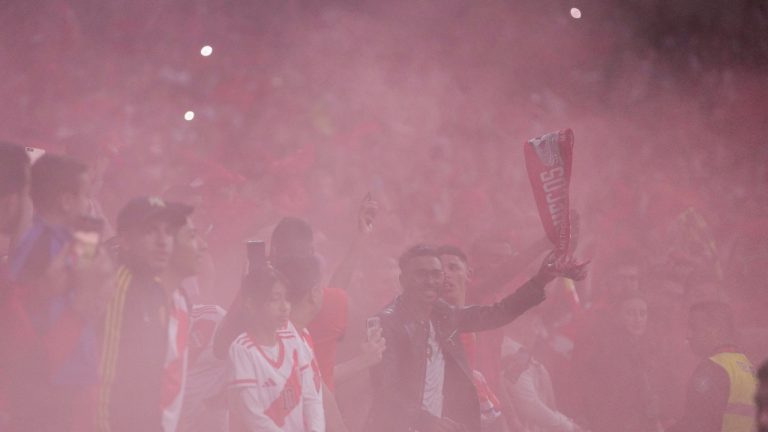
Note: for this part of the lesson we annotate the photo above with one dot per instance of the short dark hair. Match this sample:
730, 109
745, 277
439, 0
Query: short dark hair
291, 231
452, 250
302, 273
14, 163
716, 313
762, 373
415, 251
53, 176
256, 285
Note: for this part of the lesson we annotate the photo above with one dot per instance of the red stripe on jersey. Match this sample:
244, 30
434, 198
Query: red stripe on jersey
289, 397
307, 338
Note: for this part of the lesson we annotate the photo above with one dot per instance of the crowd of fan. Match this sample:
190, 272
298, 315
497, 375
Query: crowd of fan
669, 180
106, 328
310, 124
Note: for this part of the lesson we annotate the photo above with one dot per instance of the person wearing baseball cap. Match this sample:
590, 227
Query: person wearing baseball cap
144, 236
142, 319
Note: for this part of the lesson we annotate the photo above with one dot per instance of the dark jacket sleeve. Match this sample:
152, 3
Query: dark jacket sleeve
707, 398
480, 318
133, 355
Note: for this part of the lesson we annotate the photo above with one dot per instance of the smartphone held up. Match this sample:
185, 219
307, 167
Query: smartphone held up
372, 327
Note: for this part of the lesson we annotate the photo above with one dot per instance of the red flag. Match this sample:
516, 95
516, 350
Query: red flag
548, 160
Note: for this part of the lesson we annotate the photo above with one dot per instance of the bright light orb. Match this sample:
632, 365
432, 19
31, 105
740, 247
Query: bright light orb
575, 13
189, 115
206, 51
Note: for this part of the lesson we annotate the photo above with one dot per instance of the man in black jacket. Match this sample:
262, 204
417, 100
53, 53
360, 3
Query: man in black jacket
423, 382
144, 322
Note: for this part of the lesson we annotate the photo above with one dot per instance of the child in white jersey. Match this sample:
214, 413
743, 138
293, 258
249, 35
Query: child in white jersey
272, 387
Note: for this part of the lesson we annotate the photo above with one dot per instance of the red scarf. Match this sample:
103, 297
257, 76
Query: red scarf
548, 160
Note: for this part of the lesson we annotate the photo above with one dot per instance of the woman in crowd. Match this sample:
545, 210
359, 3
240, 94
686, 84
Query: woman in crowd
613, 372
271, 388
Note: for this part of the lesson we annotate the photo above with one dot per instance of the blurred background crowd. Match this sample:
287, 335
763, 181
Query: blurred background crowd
303, 108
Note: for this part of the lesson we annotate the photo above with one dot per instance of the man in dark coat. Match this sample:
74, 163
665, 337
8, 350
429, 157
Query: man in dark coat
423, 382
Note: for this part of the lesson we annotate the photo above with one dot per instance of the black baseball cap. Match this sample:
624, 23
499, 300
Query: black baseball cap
141, 211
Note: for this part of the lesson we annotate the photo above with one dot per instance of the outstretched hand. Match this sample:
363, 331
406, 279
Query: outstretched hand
566, 267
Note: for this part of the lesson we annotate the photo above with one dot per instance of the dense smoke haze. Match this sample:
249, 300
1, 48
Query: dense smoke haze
304, 107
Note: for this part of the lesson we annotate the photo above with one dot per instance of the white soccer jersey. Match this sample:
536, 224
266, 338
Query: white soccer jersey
202, 411
272, 388
175, 372
434, 377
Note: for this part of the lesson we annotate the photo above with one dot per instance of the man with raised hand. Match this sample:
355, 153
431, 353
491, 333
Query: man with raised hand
423, 381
